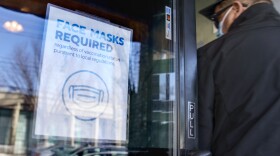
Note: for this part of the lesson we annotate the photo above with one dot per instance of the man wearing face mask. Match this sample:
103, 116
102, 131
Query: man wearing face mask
239, 80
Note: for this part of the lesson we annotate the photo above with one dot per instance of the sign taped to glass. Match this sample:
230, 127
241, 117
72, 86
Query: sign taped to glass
84, 78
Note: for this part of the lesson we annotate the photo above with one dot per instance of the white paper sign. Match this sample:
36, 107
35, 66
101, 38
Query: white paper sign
84, 78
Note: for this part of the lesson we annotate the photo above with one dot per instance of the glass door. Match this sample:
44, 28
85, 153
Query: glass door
48, 108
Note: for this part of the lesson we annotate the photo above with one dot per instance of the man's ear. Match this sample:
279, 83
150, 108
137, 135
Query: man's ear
237, 9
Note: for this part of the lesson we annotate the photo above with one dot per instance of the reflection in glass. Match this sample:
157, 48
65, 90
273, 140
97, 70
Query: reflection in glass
151, 82
19, 60
13, 26
134, 66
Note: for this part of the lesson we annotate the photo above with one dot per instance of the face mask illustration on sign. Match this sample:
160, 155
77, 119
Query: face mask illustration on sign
85, 96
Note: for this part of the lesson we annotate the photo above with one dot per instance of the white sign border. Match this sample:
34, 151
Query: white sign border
69, 139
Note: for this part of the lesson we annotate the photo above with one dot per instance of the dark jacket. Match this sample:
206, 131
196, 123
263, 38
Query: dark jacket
239, 87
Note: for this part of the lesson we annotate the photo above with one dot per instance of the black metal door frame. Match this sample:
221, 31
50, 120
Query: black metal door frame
186, 76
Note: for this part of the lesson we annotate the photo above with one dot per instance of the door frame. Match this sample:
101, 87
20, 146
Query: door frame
186, 137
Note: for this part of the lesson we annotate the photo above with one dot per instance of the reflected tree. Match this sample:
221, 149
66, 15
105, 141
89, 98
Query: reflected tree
20, 72
19, 75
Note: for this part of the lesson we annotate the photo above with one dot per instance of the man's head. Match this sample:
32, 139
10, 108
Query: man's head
225, 12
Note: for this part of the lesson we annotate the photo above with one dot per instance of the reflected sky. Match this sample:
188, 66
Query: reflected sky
20, 51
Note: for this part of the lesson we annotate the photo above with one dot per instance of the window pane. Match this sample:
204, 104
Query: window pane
34, 113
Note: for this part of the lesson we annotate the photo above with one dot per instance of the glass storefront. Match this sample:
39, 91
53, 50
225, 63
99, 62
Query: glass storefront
29, 72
